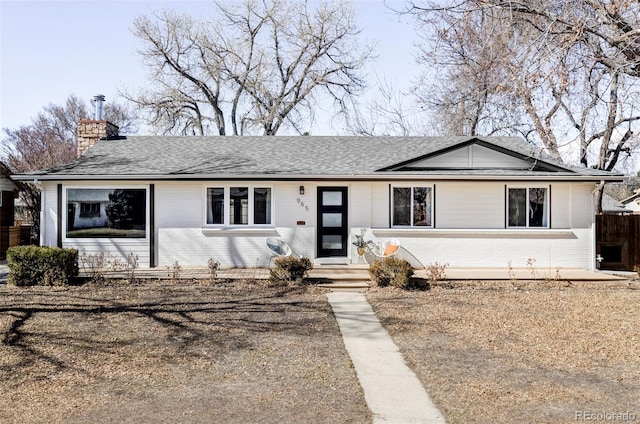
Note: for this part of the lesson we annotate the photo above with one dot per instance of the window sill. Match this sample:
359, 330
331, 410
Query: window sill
258, 231
514, 233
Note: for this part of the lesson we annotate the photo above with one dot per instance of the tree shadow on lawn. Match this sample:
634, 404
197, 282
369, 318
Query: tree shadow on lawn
55, 325
514, 384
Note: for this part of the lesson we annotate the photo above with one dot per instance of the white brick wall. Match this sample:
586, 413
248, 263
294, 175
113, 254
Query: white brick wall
188, 240
181, 233
582, 215
496, 248
470, 228
380, 205
360, 205
561, 205
469, 205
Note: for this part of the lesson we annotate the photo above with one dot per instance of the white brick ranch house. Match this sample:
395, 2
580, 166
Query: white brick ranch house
465, 201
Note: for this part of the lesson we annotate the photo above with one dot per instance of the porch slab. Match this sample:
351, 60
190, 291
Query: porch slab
561, 274
359, 274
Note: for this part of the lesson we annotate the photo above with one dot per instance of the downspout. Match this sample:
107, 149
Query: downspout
152, 226
42, 203
60, 217
594, 259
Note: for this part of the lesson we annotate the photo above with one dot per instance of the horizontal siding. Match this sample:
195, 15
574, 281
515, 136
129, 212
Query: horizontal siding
49, 215
483, 157
458, 158
118, 248
472, 157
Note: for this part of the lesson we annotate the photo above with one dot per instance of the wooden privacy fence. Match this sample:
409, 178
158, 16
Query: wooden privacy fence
618, 241
13, 236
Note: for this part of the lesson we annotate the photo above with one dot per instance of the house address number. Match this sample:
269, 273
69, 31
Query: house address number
302, 205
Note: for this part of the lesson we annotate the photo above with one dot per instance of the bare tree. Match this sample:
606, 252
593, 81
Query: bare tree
258, 66
50, 141
463, 84
555, 72
389, 112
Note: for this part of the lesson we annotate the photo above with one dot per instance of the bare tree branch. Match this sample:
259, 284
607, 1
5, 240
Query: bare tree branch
557, 70
262, 64
50, 141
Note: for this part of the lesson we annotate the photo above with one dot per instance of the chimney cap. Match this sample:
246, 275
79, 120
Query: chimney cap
98, 99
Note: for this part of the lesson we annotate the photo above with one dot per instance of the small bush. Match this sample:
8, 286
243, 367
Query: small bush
174, 271
130, 267
35, 265
94, 266
290, 270
391, 271
213, 266
97, 267
436, 272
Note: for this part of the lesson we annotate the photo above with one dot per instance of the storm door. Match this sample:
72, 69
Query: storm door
332, 222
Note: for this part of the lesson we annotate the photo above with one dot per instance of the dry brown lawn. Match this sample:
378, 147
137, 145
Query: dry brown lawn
162, 353
494, 354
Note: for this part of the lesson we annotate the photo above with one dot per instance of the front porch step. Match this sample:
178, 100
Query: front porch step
340, 273
351, 286
331, 261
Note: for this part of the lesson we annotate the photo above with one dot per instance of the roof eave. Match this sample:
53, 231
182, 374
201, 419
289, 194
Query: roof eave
319, 177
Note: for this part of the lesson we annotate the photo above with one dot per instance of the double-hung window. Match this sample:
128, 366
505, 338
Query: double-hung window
528, 207
239, 205
412, 206
89, 210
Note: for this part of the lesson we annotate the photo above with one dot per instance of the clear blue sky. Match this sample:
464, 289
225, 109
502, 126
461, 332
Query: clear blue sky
51, 49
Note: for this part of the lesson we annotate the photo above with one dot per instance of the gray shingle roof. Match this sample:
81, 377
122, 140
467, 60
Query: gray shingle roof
631, 198
313, 156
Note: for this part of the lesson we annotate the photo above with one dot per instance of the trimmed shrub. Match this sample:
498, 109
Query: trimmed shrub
290, 270
391, 271
35, 265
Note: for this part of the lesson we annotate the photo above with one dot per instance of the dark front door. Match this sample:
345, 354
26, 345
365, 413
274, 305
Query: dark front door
332, 221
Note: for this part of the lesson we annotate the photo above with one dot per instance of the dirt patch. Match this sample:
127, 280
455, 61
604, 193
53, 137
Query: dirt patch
491, 354
188, 353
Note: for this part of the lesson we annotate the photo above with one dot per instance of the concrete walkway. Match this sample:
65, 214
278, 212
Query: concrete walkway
392, 391
4, 272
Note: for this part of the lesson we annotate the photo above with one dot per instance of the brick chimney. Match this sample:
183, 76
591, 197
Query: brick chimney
91, 130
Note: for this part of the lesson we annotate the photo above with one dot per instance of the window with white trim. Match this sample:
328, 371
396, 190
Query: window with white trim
239, 205
528, 207
106, 212
412, 206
